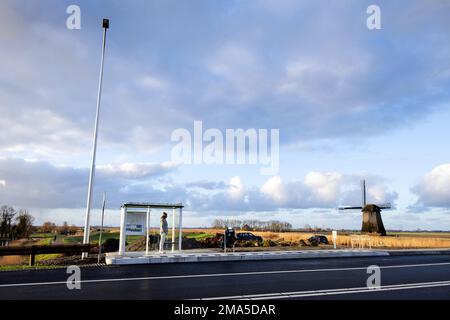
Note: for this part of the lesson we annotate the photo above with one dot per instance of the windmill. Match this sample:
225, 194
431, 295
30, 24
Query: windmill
371, 220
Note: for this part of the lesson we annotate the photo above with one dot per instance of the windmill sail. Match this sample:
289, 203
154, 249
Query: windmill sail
363, 189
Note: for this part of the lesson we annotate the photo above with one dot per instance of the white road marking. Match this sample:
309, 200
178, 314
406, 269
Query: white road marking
312, 293
235, 274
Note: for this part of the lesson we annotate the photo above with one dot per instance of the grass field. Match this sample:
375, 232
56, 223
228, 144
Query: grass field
42, 235
42, 257
95, 237
400, 240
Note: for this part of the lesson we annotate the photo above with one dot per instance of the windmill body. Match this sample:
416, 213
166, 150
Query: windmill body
371, 220
371, 214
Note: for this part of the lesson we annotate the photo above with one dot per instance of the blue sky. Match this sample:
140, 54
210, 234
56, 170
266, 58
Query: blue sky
350, 103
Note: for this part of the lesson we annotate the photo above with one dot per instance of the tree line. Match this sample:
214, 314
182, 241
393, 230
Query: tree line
18, 224
252, 225
64, 229
15, 224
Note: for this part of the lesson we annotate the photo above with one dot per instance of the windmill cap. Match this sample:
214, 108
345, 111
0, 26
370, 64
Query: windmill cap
371, 207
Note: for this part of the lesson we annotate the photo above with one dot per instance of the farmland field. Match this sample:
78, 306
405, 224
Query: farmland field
395, 240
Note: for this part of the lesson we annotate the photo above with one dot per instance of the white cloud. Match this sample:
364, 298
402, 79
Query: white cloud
2, 183
316, 190
136, 170
324, 186
236, 190
274, 189
39, 184
41, 132
434, 188
378, 193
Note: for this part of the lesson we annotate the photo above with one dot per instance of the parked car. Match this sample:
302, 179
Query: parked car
247, 236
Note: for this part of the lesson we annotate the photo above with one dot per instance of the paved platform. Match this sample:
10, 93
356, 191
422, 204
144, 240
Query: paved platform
210, 256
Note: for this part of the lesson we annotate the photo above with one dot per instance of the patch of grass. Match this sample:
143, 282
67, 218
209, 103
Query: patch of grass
44, 257
24, 267
133, 239
45, 242
42, 235
72, 239
95, 237
199, 235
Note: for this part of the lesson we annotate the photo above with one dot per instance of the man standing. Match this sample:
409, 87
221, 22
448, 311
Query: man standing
163, 230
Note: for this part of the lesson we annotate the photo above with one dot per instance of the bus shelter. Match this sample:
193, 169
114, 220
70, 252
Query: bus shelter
135, 219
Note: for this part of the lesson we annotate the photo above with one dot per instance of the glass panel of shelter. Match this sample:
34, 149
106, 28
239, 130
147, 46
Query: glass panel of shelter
141, 219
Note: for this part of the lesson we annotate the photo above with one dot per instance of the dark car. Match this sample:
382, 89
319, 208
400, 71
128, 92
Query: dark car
247, 236
318, 239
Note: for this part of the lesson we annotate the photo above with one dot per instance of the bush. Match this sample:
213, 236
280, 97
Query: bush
111, 245
241, 244
302, 243
269, 243
248, 244
212, 242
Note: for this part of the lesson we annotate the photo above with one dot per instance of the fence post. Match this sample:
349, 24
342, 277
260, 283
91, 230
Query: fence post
32, 256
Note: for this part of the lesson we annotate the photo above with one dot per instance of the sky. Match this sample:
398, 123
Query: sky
349, 103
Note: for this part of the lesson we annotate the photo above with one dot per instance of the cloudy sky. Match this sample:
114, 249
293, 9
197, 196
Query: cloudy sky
350, 103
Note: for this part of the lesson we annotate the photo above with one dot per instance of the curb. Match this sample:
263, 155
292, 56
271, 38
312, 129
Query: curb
429, 252
261, 256
248, 256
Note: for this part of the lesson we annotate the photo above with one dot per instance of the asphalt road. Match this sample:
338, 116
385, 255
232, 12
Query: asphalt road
408, 277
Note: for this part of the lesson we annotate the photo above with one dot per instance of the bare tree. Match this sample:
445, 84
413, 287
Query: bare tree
7, 215
251, 225
48, 227
218, 224
24, 224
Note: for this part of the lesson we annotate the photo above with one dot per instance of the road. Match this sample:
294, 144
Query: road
402, 277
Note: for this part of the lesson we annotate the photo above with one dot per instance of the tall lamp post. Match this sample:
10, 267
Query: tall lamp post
94, 147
